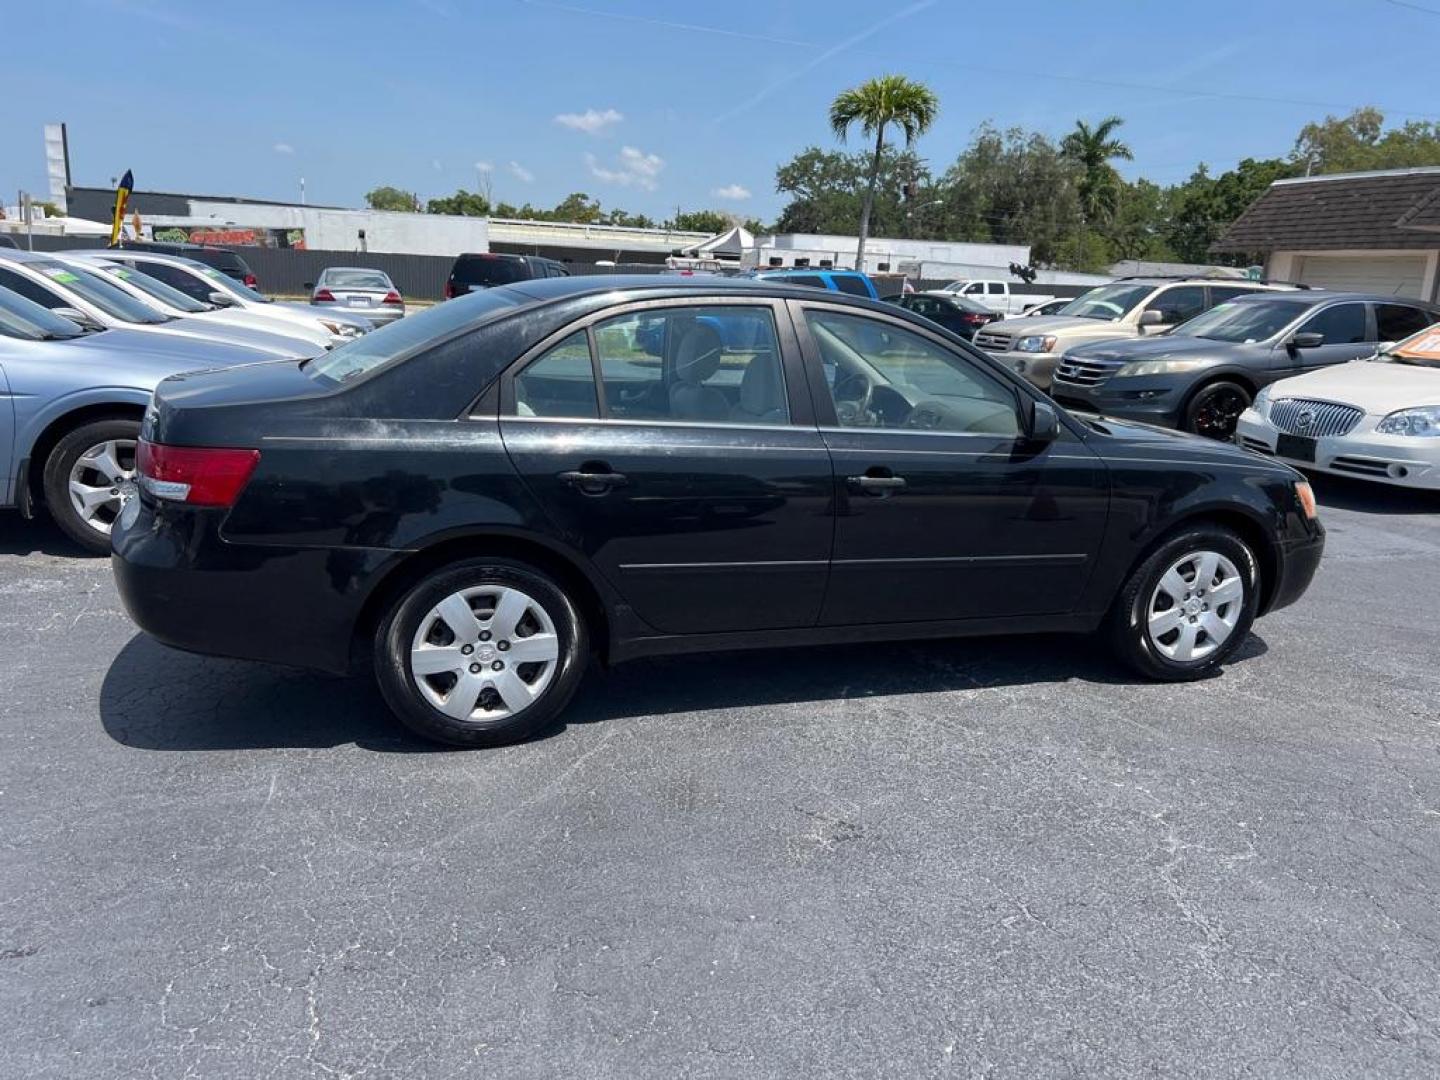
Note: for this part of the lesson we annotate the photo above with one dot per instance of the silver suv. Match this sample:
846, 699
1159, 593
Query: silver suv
1127, 308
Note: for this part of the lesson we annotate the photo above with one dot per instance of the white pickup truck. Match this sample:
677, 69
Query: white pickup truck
995, 295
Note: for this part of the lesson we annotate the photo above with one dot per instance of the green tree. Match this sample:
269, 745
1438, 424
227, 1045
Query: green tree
706, 221
633, 221
827, 192
392, 198
1204, 206
1092, 149
874, 106
1359, 142
579, 208
463, 203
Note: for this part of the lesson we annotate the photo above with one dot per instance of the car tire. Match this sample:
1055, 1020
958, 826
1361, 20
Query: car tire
1166, 622
432, 660
86, 479
1215, 408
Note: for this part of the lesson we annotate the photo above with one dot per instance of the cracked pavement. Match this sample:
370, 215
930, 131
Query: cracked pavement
973, 858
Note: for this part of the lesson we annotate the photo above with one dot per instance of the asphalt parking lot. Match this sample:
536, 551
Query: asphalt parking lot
974, 858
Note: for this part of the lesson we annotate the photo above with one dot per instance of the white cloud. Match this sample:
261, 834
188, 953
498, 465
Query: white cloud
435, 164
283, 148
484, 167
731, 191
521, 173
635, 169
591, 121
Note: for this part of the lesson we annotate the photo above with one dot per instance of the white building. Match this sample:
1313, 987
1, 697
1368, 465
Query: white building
888, 255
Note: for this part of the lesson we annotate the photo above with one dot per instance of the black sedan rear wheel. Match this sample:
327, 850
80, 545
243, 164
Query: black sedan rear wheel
1215, 410
481, 653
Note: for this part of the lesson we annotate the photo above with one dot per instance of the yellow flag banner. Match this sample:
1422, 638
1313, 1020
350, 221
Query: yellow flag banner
122, 196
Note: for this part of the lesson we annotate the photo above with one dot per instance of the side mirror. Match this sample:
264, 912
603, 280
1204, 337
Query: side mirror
75, 315
1152, 318
1307, 340
1044, 425
308, 285
224, 299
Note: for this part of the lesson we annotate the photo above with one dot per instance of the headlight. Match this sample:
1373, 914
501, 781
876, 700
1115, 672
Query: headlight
1261, 404
1421, 423
1161, 367
1035, 343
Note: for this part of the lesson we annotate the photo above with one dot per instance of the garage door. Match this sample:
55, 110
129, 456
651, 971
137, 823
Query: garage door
1393, 275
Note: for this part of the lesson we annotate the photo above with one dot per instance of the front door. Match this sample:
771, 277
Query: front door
663, 443
944, 510
1346, 332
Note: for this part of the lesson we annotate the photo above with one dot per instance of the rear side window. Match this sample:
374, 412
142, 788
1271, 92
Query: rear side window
1395, 322
489, 270
701, 364
1178, 304
995, 288
849, 283
1342, 324
560, 383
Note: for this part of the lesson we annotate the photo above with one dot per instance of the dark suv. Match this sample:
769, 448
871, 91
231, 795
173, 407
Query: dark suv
222, 259
485, 270
1203, 374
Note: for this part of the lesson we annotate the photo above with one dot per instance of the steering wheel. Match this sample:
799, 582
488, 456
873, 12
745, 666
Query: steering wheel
853, 396
926, 415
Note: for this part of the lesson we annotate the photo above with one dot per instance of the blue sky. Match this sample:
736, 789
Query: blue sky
649, 105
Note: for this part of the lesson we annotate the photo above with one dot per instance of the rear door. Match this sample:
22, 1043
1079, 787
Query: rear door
674, 443
943, 511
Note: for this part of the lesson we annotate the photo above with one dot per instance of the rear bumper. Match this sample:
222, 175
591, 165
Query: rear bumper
187, 587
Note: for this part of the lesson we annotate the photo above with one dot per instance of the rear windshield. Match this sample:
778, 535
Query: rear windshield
225, 260
361, 355
345, 278
489, 270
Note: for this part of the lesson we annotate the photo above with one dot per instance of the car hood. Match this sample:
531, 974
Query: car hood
1150, 348
1377, 388
117, 358
326, 313
181, 351
1065, 327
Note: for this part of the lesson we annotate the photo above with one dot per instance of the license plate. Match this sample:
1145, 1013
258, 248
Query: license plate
359, 301
1295, 447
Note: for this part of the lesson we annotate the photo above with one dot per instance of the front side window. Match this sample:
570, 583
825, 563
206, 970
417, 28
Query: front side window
178, 279
559, 383
1342, 324
716, 364
881, 376
1178, 304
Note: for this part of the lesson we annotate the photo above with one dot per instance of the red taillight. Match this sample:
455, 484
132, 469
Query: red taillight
449, 290
392, 297
199, 476
323, 296
974, 319
251, 282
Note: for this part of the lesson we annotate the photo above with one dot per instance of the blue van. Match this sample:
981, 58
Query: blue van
846, 281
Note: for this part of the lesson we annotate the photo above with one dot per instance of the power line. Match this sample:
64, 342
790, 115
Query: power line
968, 66
1412, 7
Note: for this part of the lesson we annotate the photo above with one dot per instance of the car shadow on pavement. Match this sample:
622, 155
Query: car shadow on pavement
38, 537
155, 698
1366, 497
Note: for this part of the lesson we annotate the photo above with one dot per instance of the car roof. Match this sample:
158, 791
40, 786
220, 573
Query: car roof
144, 253
1311, 297
362, 269
16, 255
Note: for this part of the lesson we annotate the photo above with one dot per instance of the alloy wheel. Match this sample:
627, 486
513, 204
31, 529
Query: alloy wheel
484, 653
1195, 607
1219, 414
99, 482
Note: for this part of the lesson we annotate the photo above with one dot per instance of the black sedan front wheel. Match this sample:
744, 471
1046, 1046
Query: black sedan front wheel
1215, 410
481, 653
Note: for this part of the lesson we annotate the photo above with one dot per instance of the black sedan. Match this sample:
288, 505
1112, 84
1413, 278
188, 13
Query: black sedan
480, 497
954, 313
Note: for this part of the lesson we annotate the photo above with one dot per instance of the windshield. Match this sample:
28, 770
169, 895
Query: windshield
364, 354
225, 283
153, 287
1109, 302
343, 278
1243, 321
22, 318
93, 288
1418, 350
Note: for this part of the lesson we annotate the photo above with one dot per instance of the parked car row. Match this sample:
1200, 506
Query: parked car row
85, 336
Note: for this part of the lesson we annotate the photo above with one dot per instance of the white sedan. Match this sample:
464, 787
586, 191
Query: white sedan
1376, 419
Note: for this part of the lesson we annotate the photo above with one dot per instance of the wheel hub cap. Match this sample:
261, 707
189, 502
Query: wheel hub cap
1195, 607
471, 680
101, 479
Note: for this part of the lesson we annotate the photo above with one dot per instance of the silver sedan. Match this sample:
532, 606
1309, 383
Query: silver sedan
360, 291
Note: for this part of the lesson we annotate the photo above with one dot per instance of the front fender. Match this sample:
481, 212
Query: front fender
30, 424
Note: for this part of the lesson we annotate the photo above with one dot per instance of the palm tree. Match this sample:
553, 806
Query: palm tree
875, 105
1099, 189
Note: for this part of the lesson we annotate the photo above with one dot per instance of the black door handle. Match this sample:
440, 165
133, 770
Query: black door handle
875, 485
593, 482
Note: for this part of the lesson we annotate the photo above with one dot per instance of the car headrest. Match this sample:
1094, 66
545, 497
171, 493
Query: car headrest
698, 356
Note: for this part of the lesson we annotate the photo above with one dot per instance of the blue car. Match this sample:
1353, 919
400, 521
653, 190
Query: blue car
71, 401
850, 282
